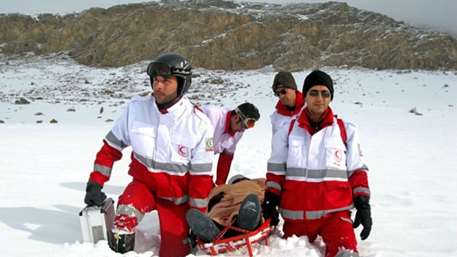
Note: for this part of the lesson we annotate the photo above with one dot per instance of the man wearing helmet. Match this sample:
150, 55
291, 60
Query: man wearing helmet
171, 160
229, 126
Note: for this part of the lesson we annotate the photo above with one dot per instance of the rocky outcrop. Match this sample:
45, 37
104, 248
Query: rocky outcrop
219, 35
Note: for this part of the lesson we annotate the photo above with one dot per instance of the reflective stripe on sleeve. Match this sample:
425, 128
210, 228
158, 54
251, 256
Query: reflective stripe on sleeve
103, 169
274, 185
363, 190
130, 211
176, 200
114, 141
199, 203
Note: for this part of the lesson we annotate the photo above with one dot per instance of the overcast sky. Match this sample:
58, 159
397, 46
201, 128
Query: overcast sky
436, 14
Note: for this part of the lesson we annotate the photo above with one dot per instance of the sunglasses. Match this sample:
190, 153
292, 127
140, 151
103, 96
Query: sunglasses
162, 69
316, 93
245, 121
281, 91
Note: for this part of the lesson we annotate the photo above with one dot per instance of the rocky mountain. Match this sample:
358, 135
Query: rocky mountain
231, 36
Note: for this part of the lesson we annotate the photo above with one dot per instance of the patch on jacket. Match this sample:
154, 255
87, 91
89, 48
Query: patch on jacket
183, 151
338, 156
209, 144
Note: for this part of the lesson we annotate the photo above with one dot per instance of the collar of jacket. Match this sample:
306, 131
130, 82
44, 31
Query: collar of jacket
163, 108
174, 111
305, 122
228, 129
287, 111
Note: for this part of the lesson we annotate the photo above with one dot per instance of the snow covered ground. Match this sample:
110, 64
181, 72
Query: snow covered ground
44, 166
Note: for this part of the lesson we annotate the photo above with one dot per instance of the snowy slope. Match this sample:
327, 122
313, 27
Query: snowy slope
44, 167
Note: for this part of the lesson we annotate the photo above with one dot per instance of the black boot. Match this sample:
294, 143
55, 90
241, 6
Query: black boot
201, 225
192, 241
121, 242
250, 213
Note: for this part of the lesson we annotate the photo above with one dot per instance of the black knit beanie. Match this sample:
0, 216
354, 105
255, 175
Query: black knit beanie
315, 78
284, 79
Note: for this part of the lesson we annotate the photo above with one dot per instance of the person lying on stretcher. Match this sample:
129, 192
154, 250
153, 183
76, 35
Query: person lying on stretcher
236, 204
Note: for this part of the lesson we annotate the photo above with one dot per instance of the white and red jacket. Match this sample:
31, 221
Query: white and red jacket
283, 115
313, 170
225, 140
172, 150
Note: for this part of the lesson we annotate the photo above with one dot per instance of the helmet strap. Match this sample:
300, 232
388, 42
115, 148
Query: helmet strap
181, 82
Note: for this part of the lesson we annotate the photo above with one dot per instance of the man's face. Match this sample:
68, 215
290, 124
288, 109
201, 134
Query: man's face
239, 124
286, 96
165, 89
236, 123
318, 99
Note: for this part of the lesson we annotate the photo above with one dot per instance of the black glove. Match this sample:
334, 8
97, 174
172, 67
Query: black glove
94, 194
363, 216
269, 208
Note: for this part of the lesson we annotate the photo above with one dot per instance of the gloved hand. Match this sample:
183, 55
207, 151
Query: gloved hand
94, 194
363, 216
269, 208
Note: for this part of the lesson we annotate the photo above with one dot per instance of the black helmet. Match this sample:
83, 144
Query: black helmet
171, 64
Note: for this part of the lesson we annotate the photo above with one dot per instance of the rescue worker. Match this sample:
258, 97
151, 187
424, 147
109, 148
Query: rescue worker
171, 160
234, 204
290, 100
229, 126
316, 174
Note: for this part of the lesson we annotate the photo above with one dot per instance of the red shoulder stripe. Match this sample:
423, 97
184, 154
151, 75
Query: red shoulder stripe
342, 130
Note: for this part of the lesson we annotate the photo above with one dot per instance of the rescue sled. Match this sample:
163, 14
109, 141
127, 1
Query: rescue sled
245, 239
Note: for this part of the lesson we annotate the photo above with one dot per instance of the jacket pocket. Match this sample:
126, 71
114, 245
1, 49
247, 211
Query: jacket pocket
297, 156
143, 138
335, 155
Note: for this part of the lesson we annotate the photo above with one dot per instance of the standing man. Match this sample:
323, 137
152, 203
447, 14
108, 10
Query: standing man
229, 126
319, 161
290, 100
172, 152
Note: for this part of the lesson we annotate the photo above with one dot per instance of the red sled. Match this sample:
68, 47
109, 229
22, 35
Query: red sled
230, 244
